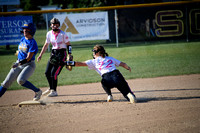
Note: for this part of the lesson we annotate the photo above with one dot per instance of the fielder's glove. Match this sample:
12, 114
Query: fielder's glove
70, 63
68, 66
56, 60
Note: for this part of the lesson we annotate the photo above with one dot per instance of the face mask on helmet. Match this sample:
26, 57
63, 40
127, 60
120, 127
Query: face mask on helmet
55, 24
95, 51
55, 29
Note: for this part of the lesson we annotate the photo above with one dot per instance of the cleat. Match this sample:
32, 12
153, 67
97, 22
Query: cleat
37, 95
110, 98
132, 98
52, 93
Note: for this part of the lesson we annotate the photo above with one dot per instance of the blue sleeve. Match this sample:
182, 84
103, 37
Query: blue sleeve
33, 47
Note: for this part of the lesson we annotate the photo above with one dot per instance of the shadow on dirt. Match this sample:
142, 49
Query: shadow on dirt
139, 99
144, 100
168, 90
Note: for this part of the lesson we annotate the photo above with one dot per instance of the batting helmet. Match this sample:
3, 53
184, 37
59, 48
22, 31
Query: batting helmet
55, 21
31, 27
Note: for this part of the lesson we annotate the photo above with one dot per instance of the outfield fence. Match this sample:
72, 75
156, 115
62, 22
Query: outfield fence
126, 23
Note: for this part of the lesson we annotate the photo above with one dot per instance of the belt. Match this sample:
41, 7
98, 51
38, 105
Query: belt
109, 72
27, 61
63, 49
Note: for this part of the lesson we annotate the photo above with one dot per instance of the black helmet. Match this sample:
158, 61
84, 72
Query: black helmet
55, 21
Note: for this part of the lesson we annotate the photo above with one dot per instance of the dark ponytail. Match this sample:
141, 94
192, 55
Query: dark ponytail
101, 50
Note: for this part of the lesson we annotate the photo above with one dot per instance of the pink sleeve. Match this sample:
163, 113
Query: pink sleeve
66, 38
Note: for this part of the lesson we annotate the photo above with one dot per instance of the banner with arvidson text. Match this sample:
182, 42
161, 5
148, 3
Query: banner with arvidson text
85, 26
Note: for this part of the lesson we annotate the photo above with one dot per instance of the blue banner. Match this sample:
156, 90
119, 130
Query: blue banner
10, 28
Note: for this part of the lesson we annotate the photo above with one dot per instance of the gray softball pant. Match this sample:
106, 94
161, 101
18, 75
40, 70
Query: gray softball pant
20, 73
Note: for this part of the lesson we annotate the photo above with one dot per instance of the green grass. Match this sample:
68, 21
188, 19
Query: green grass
146, 61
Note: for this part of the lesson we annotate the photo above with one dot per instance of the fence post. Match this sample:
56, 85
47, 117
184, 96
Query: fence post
116, 28
47, 28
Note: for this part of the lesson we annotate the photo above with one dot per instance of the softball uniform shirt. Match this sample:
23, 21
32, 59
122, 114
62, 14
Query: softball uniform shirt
103, 65
25, 47
58, 41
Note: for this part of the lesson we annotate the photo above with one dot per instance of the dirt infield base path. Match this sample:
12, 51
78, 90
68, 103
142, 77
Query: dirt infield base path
165, 105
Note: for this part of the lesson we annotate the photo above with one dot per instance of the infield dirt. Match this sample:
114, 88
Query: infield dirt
165, 104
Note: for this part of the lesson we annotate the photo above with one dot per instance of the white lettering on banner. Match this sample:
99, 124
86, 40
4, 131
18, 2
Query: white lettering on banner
85, 26
91, 20
11, 24
88, 25
10, 41
3, 31
9, 31
10, 28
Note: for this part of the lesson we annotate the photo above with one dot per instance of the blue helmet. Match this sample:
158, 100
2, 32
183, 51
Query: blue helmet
31, 27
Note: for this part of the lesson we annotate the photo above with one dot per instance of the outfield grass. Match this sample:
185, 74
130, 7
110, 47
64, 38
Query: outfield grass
146, 61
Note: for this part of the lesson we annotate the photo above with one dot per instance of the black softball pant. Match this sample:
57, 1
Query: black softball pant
52, 71
115, 79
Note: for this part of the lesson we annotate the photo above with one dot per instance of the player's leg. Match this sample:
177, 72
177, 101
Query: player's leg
126, 91
107, 85
22, 79
123, 87
54, 78
108, 91
50, 72
48, 77
11, 76
55, 71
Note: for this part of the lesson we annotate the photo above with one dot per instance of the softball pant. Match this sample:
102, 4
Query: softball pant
52, 71
20, 73
115, 79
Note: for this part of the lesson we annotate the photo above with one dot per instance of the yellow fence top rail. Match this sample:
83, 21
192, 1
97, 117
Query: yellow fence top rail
100, 8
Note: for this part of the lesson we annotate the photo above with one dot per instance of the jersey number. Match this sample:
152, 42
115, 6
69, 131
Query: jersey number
107, 66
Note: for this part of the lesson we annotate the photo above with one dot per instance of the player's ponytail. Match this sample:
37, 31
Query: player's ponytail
101, 50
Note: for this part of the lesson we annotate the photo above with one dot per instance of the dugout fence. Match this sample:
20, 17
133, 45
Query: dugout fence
132, 23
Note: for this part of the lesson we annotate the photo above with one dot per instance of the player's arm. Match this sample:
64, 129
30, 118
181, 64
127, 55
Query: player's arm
75, 63
80, 64
44, 48
124, 65
28, 58
69, 48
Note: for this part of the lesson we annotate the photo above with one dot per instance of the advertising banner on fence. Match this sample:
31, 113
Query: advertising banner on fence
85, 26
10, 29
173, 22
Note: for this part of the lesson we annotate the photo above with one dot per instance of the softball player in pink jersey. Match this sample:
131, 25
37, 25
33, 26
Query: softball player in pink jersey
111, 77
60, 42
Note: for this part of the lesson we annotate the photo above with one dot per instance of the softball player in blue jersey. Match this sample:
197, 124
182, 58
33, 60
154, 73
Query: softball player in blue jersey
24, 67
111, 77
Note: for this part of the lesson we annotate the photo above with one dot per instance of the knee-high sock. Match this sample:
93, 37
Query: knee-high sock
54, 84
2, 90
29, 85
